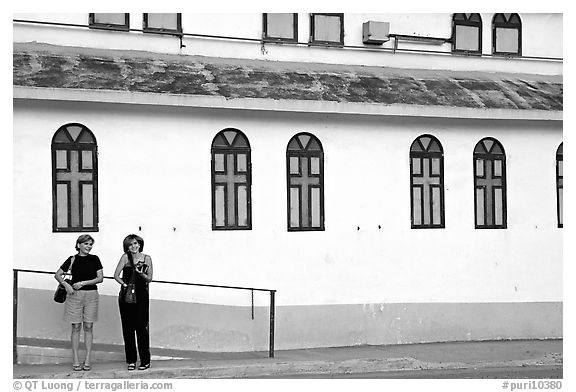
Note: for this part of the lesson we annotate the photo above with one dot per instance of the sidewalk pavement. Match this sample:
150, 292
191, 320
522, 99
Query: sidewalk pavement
322, 361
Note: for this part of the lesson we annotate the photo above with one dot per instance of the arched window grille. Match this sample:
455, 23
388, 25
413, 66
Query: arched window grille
489, 184
507, 34
74, 179
427, 183
560, 184
305, 174
231, 181
467, 33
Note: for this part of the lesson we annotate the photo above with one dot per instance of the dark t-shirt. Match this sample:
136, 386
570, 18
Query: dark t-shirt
84, 268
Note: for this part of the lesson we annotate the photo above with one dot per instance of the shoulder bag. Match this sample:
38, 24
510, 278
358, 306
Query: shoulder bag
60, 293
128, 293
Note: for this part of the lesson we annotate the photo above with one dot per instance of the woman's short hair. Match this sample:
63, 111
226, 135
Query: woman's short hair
82, 239
128, 241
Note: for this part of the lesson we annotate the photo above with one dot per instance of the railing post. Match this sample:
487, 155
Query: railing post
15, 319
272, 315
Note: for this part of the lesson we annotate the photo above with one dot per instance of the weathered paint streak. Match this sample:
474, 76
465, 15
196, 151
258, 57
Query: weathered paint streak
54, 67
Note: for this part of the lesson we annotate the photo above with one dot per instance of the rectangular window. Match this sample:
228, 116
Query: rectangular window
281, 27
242, 205
241, 163
164, 22
480, 207
87, 205
498, 206
315, 206
416, 166
220, 205
417, 206
506, 40
327, 29
436, 206
61, 160
294, 207
467, 38
110, 21
294, 165
86, 160
62, 205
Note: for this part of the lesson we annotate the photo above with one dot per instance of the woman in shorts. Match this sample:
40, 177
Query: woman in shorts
81, 306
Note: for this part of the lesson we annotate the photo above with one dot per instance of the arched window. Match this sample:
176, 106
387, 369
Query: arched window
74, 179
231, 181
467, 33
427, 183
490, 184
507, 34
305, 173
560, 184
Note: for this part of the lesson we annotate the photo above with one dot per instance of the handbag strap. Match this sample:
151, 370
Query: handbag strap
132, 275
69, 272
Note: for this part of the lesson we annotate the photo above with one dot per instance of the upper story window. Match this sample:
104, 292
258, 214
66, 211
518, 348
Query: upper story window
110, 21
427, 183
327, 29
490, 184
560, 184
231, 181
169, 23
74, 179
507, 34
467, 33
280, 27
305, 172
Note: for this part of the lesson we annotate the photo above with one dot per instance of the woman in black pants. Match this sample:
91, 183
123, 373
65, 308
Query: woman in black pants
135, 267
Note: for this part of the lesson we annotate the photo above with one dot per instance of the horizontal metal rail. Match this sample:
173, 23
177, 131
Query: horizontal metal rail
310, 44
16, 271
162, 281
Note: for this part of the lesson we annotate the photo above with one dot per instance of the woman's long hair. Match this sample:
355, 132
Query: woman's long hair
128, 241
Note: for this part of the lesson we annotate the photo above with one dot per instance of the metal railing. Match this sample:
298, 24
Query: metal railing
252, 289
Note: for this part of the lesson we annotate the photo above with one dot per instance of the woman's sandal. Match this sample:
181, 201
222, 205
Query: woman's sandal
144, 367
77, 368
86, 367
131, 366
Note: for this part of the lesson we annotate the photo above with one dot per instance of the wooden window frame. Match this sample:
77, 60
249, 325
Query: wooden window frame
109, 26
176, 31
267, 38
507, 25
559, 184
491, 157
320, 185
68, 147
235, 151
314, 41
468, 23
429, 155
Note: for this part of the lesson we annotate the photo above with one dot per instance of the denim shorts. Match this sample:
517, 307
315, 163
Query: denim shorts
82, 306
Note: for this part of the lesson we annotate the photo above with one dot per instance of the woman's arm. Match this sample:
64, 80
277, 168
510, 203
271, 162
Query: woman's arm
98, 279
119, 267
59, 277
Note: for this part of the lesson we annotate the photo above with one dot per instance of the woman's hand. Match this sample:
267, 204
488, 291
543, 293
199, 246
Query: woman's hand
69, 289
78, 285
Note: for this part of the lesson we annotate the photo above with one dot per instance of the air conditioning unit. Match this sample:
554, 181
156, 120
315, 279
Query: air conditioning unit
375, 32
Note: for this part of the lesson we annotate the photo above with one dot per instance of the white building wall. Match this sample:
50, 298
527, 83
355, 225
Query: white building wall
154, 173
541, 37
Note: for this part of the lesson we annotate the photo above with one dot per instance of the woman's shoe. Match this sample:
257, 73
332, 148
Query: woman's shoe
86, 367
144, 367
131, 366
77, 368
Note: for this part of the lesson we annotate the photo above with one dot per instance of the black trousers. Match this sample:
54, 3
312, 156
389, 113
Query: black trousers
134, 319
